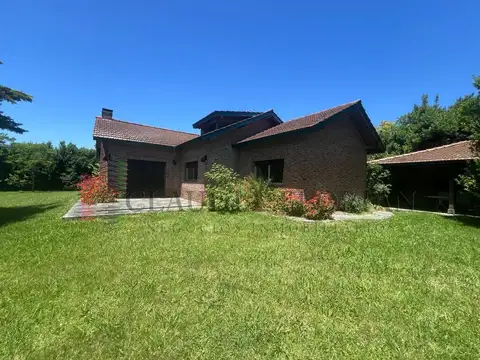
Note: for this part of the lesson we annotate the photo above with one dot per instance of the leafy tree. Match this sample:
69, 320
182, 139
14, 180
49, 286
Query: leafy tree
394, 137
468, 109
30, 164
426, 126
71, 163
5, 141
12, 96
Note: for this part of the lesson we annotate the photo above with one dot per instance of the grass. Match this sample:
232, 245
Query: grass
199, 285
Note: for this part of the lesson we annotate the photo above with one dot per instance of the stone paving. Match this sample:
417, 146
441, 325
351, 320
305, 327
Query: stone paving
130, 206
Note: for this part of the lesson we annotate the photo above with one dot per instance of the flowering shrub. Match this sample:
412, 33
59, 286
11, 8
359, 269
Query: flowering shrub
94, 189
320, 206
293, 204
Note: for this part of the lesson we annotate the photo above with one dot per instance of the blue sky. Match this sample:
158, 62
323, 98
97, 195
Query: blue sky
169, 63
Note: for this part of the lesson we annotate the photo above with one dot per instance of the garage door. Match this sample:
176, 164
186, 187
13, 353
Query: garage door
145, 179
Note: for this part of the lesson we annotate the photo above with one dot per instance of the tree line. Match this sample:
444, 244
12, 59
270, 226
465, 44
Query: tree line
42, 166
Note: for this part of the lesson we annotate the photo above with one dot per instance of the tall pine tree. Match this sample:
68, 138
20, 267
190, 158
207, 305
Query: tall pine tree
12, 96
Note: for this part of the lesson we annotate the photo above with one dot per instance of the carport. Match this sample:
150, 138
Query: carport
425, 180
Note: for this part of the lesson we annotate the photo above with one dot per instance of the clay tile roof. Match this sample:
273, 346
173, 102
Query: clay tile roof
301, 122
122, 130
453, 152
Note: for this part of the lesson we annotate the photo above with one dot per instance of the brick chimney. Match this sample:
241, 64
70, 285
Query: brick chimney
107, 113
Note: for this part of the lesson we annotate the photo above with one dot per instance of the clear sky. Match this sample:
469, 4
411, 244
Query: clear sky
169, 63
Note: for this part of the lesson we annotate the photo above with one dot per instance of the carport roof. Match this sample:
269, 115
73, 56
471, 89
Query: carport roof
459, 151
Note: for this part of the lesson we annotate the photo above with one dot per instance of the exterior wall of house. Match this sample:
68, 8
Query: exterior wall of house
218, 150
117, 153
332, 158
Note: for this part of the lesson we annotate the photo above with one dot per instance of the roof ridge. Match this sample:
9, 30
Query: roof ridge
316, 112
420, 151
150, 126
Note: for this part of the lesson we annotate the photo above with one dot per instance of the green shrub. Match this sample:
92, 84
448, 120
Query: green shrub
320, 206
378, 187
254, 192
222, 189
274, 200
354, 204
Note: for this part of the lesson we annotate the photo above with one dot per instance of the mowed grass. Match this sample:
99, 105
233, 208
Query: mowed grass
199, 285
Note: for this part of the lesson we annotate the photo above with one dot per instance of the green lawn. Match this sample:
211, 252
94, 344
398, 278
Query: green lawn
199, 285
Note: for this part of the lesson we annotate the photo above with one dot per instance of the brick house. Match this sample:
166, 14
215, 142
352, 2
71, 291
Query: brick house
322, 151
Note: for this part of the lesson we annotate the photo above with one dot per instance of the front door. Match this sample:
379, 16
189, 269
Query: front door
145, 179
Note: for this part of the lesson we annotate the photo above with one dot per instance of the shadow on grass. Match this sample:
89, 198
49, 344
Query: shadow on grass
466, 220
21, 213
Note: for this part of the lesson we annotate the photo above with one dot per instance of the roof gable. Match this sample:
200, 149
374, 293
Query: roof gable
127, 131
368, 132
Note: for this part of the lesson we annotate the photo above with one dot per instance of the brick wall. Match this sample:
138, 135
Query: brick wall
218, 150
332, 158
118, 152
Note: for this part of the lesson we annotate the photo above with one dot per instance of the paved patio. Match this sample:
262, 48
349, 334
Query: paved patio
130, 206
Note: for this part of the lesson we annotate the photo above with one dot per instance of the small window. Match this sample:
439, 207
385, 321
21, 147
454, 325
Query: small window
270, 170
191, 171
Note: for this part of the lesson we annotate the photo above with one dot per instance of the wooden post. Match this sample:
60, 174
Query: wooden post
451, 197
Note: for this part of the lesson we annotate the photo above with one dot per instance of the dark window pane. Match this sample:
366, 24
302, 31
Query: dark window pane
276, 171
191, 171
270, 169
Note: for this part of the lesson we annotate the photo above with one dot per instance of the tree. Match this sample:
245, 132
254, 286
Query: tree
71, 163
5, 142
469, 112
425, 126
12, 96
30, 164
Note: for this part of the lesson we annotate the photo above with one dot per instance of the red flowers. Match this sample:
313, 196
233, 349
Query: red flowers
293, 204
320, 206
94, 189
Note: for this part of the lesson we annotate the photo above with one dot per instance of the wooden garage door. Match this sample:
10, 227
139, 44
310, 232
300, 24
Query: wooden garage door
145, 179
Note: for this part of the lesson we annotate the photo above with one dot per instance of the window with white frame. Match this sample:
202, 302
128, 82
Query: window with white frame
269, 170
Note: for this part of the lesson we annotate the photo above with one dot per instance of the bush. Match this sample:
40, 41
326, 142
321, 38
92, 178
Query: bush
94, 190
254, 192
355, 204
222, 189
274, 200
378, 187
320, 206
293, 205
